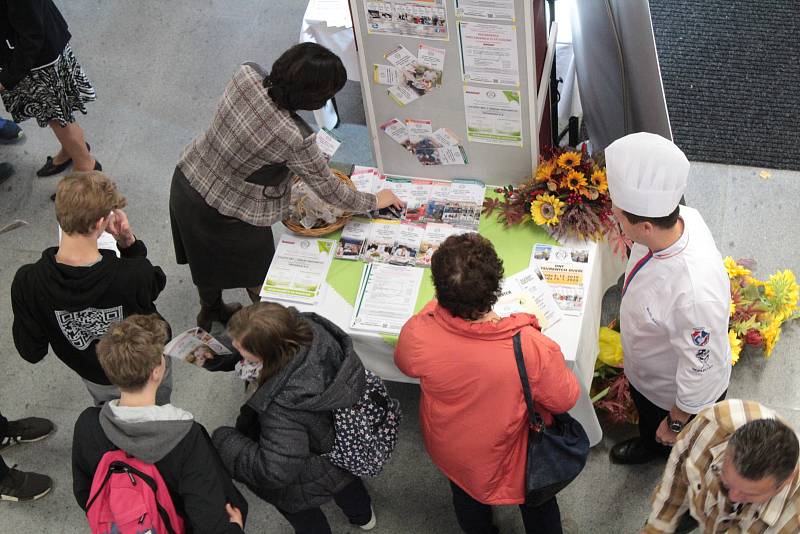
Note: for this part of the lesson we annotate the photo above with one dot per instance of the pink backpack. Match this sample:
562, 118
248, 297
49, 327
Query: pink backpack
128, 496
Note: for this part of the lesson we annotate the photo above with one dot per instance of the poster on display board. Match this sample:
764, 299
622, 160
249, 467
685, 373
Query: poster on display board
493, 116
486, 9
426, 19
489, 53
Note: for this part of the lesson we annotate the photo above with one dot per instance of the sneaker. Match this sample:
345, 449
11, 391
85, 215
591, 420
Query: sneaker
372, 521
26, 430
23, 486
9, 132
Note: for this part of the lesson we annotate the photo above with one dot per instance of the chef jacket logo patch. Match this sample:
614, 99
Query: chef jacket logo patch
703, 355
700, 336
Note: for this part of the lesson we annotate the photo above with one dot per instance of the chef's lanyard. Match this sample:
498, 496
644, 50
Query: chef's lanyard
636, 268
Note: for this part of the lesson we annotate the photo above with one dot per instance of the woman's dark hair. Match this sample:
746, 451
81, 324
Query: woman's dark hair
271, 332
466, 274
305, 77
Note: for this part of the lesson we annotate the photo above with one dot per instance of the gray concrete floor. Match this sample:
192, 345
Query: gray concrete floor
159, 68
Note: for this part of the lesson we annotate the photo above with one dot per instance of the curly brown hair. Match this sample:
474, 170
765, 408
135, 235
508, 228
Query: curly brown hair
466, 274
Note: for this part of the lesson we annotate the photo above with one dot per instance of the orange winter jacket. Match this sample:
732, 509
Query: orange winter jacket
472, 410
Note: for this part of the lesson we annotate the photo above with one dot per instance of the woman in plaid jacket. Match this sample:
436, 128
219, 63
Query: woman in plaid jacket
234, 180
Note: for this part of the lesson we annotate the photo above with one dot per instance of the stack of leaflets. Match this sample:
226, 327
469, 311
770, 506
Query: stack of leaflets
433, 211
198, 347
441, 147
298, 269
527, 292
563, 269
386, 297
410, 76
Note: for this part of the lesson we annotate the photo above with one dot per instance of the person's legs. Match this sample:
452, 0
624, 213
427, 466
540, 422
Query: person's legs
212, 307
473, 517
3, 427
310, 521
254, 293
355, 502
644, 447
542, 519
73, 146
650, 418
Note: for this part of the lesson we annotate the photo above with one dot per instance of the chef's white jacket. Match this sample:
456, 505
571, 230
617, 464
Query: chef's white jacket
674, 320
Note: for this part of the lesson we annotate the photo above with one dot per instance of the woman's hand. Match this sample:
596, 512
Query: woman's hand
234, 514
386, 198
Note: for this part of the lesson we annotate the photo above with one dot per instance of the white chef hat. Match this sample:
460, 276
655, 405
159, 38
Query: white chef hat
647, 174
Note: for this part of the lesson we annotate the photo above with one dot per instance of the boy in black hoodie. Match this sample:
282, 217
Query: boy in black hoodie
70, 297
131, 353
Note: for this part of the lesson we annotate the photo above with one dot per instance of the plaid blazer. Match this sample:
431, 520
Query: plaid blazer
248, 132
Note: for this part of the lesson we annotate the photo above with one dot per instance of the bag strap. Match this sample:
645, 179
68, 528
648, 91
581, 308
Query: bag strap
534, 418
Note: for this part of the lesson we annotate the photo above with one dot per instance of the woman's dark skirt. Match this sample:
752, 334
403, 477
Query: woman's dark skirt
221, 251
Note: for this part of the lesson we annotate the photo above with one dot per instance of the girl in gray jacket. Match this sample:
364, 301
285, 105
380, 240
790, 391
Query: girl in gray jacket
308, 369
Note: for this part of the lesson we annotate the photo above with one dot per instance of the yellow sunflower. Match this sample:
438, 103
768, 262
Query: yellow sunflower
545, 172
771, 335
734, 269
546, 209
574, 181
599, 181
733, 308
569, 160
736, 346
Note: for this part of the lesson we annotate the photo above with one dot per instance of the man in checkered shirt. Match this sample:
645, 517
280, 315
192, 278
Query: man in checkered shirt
734, 468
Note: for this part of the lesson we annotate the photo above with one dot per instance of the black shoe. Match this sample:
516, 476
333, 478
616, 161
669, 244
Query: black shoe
26, 430
6, 171
632, 452
23, 486
49, 169
10, 132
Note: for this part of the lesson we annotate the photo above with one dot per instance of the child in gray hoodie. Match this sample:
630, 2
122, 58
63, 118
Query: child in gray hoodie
131, 354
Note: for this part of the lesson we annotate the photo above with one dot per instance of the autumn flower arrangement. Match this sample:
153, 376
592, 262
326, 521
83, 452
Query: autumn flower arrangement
567, 194
759, 309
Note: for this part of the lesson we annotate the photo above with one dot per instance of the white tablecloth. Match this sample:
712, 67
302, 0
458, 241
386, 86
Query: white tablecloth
577, 335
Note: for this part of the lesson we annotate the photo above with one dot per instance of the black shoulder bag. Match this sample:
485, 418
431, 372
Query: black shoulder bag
556, 454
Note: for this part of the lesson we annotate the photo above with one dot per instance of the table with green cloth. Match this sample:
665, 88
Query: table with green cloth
577, 335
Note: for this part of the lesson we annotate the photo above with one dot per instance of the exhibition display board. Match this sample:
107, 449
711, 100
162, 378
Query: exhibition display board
462, 68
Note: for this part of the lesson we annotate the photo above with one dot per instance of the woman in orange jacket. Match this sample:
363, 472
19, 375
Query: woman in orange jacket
472, 410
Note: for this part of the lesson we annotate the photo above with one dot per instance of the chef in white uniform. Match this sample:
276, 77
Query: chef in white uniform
675, 299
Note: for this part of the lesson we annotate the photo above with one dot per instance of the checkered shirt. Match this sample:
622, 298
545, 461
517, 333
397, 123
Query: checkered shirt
691, 480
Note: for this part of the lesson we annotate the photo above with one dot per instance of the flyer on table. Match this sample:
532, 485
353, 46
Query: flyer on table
298, 269
386, 297
489, 53
493, 116
563, 269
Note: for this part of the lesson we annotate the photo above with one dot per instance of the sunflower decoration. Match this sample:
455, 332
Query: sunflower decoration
735, 269
545, 172
599, 180
546, 209
569, 160
736, 346
574, 181
567, 193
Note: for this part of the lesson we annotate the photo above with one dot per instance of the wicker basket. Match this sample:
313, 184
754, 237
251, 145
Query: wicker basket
319, 231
